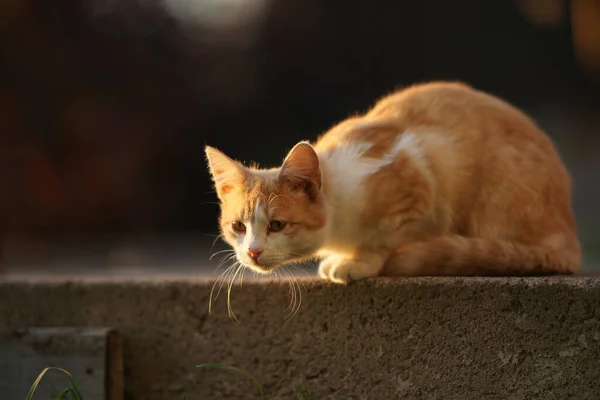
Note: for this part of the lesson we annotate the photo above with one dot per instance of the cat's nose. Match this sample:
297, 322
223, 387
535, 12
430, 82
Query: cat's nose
255, 253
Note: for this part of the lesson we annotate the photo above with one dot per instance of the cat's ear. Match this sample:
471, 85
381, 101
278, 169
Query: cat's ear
226, 173
301, 169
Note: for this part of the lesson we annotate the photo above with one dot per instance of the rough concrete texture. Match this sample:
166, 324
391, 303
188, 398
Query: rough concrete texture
426, 338
91, 355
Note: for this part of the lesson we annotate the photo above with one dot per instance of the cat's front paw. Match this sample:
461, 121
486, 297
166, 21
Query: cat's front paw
342, 270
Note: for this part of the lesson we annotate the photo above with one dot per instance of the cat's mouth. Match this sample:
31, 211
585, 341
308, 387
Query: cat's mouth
263, 266
258, 266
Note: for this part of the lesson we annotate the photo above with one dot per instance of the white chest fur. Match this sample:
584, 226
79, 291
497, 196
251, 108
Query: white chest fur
346, 170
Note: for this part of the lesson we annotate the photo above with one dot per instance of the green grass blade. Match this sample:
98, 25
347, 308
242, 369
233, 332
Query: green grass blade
62, 394
35, 384
75, 395
239, 370
74, 391
303, 395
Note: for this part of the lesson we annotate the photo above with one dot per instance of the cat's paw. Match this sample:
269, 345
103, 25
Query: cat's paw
344, 271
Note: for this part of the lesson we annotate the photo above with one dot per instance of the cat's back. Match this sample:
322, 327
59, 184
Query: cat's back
450, 121
486, 153
455, 110
460, 111
477, 130
476, 145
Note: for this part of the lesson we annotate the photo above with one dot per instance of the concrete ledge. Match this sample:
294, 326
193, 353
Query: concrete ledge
425, 338
91, 354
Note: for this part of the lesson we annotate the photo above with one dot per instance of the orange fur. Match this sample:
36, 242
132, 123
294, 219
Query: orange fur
436, 179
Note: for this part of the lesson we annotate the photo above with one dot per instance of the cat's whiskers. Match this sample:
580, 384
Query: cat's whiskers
299, 294
295, 295
295, 291
221, 252
292, 291
275, 196
220, 278
215, 241
208, 202
239, 268
224, 260
299, 291
263, 198
287, 279
295, 281
297, 269
312, 261
242, 274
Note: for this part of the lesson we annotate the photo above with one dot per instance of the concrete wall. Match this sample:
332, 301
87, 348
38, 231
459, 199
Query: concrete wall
427, 338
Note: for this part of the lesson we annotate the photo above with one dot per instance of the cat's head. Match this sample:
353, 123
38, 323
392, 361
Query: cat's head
270, 216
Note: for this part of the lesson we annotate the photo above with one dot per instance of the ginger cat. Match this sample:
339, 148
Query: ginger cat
436, 179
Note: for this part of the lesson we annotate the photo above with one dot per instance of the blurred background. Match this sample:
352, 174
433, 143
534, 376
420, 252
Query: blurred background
105, 106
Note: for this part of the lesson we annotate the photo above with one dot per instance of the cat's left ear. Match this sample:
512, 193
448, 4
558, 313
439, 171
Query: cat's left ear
226, 173
301, 169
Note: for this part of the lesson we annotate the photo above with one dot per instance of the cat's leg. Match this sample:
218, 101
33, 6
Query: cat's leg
367, 262
343, 270
454, 255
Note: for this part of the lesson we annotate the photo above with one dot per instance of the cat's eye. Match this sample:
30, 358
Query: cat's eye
238, 227
276, 225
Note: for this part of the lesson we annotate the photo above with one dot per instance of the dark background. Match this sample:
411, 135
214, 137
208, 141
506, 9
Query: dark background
105, 105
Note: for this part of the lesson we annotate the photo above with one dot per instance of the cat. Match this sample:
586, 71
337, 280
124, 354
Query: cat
436, 179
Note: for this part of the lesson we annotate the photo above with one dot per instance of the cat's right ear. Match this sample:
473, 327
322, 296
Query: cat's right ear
301, 169
226, 173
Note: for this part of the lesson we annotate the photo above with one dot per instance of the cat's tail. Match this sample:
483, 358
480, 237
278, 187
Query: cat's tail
463, 256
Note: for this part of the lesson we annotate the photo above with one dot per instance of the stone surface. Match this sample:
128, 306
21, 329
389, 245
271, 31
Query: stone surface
425, 338
91, 355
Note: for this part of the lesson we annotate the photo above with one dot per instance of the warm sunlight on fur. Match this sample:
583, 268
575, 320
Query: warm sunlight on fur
437, 179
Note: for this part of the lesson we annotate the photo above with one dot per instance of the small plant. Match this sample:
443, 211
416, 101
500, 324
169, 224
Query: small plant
73, 391
75, 394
